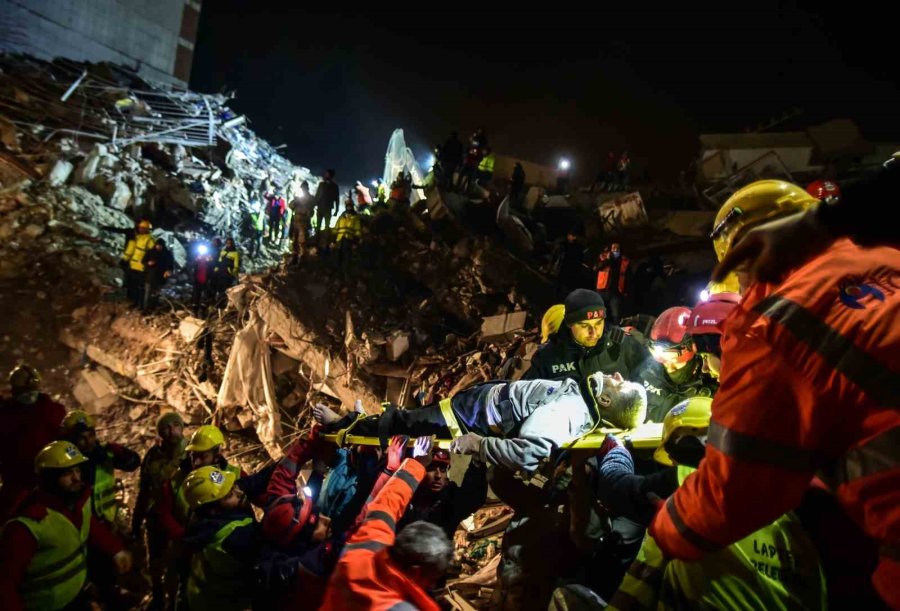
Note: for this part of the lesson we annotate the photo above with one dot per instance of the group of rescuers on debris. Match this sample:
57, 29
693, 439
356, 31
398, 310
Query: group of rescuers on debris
775, 485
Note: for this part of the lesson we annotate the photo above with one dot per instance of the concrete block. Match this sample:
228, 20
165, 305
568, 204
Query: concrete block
396, 346
191, 328
502, 326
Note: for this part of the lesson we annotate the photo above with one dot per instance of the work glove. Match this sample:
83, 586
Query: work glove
470, 443
395, 452
421, 451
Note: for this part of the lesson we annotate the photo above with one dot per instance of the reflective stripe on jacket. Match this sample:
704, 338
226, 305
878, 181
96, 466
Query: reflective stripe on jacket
810, 381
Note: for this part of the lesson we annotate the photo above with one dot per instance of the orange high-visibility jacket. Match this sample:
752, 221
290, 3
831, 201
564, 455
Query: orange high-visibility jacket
603, 274
810, 383
366, 578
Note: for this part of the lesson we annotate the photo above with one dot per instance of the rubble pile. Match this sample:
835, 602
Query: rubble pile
89, 148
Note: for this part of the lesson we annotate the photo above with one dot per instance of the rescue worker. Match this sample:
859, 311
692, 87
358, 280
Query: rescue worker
327, 200
613, 281
770, 249
569, 261
380, 192
775, 567
45, 545
276, 209
676, 371
224, 539
160, 264
704, 326
203, 450
383, 570
257, 227
486, 167
586, 344
301, 206
347, 234
299, 554
439, 500
204, 267
517, 187
31, 420
229, 267
103, 460
133, 262
552, 321
159, 466
808, 383
513, 424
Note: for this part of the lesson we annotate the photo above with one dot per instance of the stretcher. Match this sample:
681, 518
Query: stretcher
646, 436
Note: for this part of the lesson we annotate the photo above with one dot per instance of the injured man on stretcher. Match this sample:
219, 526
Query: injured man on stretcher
512, 424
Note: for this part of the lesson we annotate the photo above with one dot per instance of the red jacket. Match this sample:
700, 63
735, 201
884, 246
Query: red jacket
603, 273
18, 546
26, 430
366, 578
810, 382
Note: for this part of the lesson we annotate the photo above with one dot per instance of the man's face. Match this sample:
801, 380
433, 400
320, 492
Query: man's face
672, 359
323, 529
235, 499
70, 480
615, 250
203, 459
612, 384
712, 364
588, 332
87, 441
172, 433
436, 476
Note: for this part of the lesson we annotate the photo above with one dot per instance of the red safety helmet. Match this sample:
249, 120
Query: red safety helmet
440, 457
707, 316
825, 190
287, 517
669, 332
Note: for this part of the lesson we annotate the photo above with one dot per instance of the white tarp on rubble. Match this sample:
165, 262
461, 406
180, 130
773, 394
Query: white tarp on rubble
400, 158
248, 383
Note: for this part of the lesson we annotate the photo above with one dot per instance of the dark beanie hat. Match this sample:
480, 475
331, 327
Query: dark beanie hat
582, 304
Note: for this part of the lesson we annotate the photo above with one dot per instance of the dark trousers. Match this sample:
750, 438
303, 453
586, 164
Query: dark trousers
200, 294
323, 217
615, 303
134, 287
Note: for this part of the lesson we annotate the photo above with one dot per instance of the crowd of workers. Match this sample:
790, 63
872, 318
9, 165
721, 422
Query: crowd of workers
774, 484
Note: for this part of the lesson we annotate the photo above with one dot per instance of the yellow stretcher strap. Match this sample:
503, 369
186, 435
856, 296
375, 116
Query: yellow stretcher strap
450, 418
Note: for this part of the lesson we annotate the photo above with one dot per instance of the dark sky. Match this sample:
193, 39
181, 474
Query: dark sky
333, 85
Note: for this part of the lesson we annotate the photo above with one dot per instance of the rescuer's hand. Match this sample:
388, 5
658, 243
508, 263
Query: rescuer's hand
422, 450
395, 451
470, 443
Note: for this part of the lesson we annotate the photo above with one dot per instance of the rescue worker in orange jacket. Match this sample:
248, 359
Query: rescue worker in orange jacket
380, 570
809, 383
612, 280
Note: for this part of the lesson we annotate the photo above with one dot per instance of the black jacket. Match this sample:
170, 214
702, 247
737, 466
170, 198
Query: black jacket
665, 391
618, 351
451, 505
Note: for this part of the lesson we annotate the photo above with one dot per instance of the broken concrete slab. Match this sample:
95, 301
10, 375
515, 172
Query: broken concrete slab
191, 328
502, 326
396, 346
282, 363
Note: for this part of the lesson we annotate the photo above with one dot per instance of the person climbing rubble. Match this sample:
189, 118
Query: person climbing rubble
347, 236
159, 465
31, 420
133, 262
45, 545
676, 371
808, 380
275, 210
228, 269
328, 198
160, 264
302, 209
586, 344
512, 424
383, 570
613, 281
203, 276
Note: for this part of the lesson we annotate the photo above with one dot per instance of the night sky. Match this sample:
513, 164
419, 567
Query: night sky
333, 85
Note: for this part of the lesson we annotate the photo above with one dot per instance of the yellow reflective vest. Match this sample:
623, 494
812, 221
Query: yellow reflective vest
487, 164
348, 227
136, 248
777, 567
218, 581
232, 265
58, 570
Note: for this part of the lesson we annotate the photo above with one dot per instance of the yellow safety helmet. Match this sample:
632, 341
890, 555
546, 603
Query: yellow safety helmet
145, 224
552, 321
758, 202
207, 485
78, 419
729, 284
58, 455
24, 378
205, 438
690, 416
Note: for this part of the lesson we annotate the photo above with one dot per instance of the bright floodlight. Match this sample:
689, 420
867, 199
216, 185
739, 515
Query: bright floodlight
563, 164
704, 295
374, 182
202, 249
307, 491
